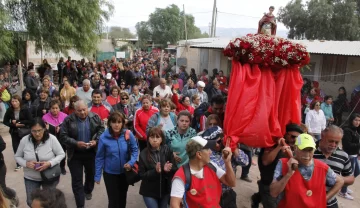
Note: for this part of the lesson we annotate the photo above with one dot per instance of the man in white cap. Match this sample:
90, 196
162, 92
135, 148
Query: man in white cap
304, 186
198, 91
199, 181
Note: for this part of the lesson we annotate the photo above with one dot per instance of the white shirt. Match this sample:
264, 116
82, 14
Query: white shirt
162, 91
166, 123
178, 186
315, 121
85, 96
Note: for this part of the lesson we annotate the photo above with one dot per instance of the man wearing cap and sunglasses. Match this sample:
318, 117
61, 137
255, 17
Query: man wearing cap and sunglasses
204, 185
301, 181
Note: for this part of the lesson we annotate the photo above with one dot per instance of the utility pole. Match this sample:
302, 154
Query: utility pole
216, 15
185, 22
213, 20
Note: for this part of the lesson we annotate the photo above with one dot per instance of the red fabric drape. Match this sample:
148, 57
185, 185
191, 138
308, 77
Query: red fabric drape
260, 104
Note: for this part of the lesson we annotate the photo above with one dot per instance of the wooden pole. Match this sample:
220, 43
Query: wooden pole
20, 74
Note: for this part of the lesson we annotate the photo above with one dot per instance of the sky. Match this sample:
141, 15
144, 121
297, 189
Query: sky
244, 13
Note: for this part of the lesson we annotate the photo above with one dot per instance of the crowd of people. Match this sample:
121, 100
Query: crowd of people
128, 122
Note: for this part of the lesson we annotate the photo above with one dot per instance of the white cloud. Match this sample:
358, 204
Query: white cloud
129, 12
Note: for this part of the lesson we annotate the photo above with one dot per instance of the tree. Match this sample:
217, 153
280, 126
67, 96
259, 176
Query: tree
6, 46
321, 19
167, 25
120, 33
143, 32
60, 25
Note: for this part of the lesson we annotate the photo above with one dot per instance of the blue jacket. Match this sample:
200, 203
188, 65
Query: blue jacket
112, 154
327, 110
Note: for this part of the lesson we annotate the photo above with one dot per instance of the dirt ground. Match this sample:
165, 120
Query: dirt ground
243, 189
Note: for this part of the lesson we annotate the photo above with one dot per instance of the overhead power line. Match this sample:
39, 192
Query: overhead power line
149, 14
241, 15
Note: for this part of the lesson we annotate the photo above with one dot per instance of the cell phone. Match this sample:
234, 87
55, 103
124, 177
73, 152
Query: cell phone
157, 94
37, 165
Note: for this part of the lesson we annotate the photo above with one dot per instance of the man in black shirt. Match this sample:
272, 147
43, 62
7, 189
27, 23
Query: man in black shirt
328, 151
267, 160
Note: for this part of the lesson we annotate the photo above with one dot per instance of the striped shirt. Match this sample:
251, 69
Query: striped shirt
339, 162
84, 130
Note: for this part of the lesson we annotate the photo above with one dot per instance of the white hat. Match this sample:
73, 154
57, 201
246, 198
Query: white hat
206, 144
201, 84
108, 76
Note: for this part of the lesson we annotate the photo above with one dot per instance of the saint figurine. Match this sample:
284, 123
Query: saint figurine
267, 24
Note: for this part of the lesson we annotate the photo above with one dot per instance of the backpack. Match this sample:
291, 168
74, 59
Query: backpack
186, 168
199, 111
132, 176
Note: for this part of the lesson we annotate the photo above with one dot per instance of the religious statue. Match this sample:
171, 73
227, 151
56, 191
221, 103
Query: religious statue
267, 24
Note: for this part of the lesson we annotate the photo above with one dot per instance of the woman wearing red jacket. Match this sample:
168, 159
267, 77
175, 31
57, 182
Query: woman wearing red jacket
142, 117
183, 104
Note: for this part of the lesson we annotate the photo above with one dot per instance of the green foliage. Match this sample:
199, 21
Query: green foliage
120, 33
167, 25
321, 19
61, 25
7, 50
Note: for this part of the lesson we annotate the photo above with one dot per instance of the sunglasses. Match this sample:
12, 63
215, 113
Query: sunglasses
317, 105
124, 98
293, 137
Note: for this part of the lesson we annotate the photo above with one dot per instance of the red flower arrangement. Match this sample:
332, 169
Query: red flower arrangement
267, 50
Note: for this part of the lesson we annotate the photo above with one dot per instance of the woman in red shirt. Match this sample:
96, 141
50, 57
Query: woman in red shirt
142, 117
70, 109
183, 104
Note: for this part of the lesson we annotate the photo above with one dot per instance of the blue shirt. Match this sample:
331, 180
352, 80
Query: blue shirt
84, 130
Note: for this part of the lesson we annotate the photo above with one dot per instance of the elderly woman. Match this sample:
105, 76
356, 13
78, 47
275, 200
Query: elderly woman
177, 137
66, 93
17, 117
115, 155
38, 152
156, 168
165, 118
141, 120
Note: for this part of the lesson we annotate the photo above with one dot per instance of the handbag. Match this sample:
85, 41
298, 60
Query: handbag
132, 175
23, 132
51, 173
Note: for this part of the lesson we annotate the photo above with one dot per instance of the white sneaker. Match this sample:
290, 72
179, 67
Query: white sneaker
349, 191
346, 196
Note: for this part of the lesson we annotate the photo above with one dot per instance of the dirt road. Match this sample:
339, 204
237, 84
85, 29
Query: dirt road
243, 189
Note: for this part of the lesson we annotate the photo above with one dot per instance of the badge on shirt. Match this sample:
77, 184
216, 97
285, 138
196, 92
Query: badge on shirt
309, 193
193, 192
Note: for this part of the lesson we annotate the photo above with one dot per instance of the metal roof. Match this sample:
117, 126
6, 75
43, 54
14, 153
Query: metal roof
346, 48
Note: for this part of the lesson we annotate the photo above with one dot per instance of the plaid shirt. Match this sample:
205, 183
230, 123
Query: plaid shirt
242, 160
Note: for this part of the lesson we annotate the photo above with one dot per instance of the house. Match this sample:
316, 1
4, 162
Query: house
333, 63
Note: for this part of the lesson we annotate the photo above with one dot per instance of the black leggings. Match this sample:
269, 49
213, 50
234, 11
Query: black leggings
15, 139
116, 188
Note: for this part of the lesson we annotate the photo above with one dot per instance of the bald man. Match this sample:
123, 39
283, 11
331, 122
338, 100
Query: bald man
162, 91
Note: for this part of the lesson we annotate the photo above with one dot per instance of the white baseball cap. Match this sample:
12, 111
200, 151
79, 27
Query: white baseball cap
108, 76
207, 144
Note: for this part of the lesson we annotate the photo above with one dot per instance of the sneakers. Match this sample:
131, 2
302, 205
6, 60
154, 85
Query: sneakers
17, 168
63, 171
349, 191
246, 178
346, 196
88, 196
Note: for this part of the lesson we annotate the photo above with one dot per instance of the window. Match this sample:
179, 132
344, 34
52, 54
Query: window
333, 65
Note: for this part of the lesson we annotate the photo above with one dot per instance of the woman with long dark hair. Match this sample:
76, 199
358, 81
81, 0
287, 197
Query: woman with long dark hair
156, 168
17, 117
37, 152
351, 145
71, 108
115, 155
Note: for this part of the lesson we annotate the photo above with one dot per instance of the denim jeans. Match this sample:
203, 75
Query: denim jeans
31, 186
355, 168
245, 170
151, 202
